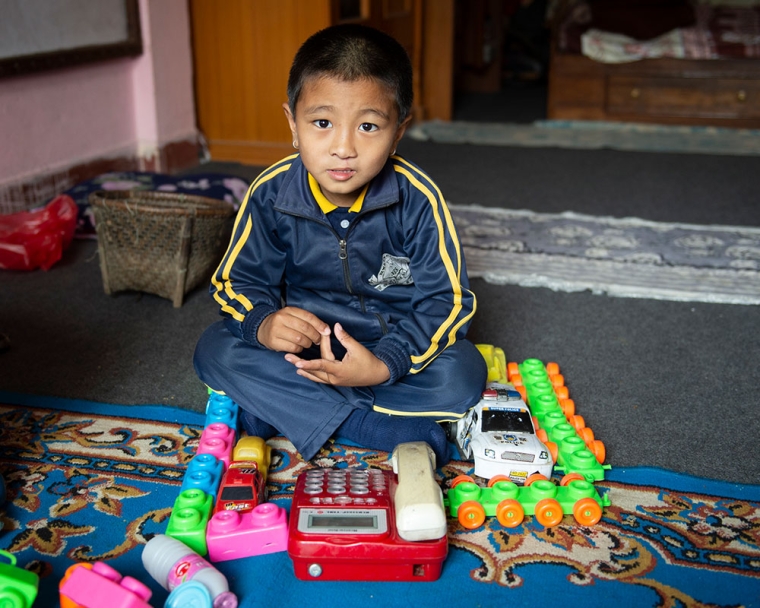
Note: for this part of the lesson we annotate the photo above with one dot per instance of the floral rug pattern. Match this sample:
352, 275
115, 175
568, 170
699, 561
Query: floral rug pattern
89, 486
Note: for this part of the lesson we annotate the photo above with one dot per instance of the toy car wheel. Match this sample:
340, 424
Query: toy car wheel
598, 449
587, 512
512, 370
571, 477
568, 407
510, 513
552, 368
577, 421
586, 434
459, 479
534, 478
451, 431
496, 479
543, 437
471, 514
553, 449
561, 392
548, 512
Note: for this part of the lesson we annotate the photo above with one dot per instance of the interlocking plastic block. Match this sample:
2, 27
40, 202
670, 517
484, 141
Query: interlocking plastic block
509, 502
218, 440
235, 534
204, 472
220, 408
18, 587
189, 519
98, 585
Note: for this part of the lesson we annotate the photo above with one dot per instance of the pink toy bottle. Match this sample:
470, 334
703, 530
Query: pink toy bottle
171, 563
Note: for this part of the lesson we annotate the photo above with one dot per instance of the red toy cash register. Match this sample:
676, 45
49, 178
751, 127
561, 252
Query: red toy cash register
369, 524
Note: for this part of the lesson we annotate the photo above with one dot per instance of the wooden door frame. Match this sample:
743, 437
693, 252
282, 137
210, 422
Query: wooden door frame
437, 86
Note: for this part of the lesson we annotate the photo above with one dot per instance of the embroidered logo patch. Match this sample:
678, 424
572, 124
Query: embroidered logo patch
393, 271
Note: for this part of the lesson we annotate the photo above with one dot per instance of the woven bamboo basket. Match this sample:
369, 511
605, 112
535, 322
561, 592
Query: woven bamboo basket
157, 242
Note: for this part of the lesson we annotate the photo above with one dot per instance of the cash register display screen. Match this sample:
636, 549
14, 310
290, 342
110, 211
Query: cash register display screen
335, 521
360, 521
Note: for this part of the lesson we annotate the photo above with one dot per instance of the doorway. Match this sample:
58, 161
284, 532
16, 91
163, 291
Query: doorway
501, 61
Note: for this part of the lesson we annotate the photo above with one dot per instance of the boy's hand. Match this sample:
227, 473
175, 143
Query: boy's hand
359, 366
292, 329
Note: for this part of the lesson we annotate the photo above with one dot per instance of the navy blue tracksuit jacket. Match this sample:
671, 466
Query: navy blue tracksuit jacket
391, 271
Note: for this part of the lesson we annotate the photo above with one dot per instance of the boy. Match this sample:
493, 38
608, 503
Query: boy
344, 258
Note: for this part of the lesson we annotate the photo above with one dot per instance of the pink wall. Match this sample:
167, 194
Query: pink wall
128, 107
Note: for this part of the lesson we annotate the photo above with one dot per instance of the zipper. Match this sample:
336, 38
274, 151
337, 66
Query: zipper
343, 257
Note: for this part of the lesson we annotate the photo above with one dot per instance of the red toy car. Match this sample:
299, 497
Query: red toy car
242, 487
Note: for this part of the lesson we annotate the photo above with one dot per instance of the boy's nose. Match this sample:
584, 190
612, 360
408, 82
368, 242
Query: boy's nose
343, 144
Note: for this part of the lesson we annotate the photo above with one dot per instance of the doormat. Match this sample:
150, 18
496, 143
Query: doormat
592, 135
624, 257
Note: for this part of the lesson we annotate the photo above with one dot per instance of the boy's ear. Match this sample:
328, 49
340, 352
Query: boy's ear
401, 130
291, 119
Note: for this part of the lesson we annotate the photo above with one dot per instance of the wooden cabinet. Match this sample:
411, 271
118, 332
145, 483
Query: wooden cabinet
722, 93
242, 51
721, 98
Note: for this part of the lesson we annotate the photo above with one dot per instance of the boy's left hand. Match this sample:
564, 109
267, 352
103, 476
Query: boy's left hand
359, 367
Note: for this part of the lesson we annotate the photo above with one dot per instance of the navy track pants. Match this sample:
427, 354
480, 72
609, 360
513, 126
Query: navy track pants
308, 413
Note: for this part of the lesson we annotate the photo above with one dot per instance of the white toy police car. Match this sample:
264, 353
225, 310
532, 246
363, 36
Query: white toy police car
498, 434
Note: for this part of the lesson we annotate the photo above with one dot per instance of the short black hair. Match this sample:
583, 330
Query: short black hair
353, 52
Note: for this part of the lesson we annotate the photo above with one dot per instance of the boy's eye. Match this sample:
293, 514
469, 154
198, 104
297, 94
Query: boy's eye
322, 123
367, 127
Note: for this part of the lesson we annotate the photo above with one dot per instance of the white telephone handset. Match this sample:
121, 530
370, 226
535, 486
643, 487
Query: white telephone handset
418, 501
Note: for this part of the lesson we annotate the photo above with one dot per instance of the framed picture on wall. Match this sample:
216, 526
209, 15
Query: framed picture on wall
37, 35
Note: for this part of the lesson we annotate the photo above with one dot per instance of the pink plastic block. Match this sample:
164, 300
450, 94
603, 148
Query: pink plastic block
219, 440
102, 587
232, 534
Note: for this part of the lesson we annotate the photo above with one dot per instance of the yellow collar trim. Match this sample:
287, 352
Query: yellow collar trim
326, 206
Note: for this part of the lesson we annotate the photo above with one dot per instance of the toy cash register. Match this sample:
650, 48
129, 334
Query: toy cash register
369, 524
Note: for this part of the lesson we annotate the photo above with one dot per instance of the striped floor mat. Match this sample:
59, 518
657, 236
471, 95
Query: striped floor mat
587, 134
625, 257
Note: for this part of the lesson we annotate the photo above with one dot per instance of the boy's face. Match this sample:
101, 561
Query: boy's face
345, 132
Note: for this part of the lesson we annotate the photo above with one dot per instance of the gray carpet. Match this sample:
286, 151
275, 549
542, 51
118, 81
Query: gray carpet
670, 384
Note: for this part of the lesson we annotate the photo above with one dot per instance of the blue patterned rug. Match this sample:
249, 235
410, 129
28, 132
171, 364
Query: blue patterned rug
92, 481
592, 134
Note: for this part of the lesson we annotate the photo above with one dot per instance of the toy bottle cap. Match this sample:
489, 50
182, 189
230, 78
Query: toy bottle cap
191, 594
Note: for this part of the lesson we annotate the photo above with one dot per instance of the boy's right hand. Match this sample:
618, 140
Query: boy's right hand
291, 330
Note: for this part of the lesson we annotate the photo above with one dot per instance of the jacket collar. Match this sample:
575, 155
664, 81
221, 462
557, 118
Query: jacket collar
295, 195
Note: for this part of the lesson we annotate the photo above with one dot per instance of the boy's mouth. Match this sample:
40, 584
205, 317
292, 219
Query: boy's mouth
341, 174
